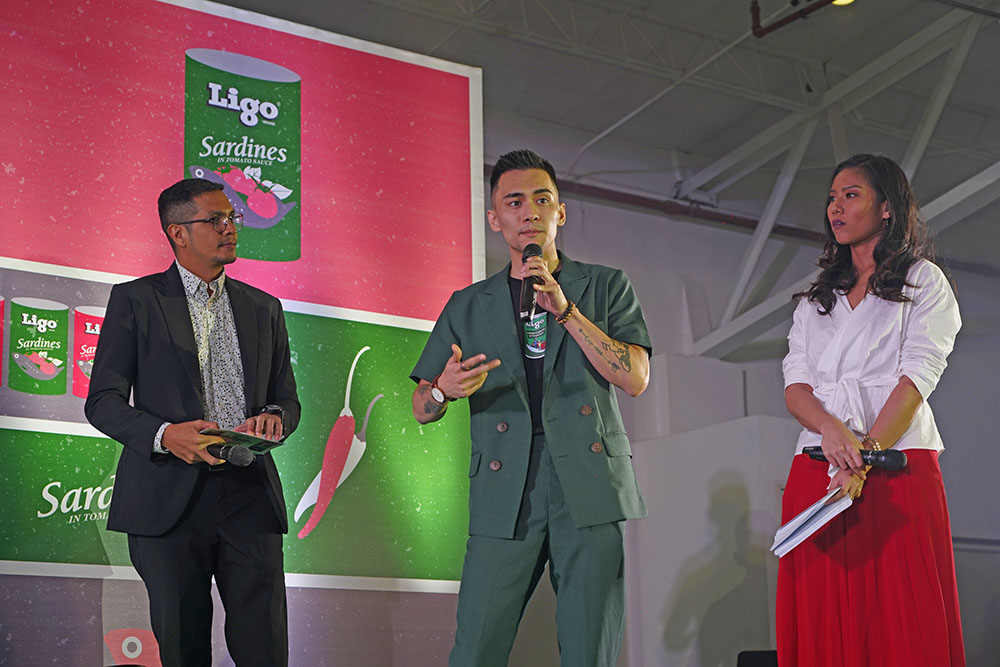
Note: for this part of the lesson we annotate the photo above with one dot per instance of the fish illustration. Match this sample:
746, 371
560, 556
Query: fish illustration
38, 367
250, 217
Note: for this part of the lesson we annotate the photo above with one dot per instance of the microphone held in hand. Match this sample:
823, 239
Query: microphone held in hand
887, 459
528, 293
238, 455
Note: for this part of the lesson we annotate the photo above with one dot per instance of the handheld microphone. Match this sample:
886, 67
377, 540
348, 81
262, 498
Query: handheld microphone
528, 293
238, 455
887, 459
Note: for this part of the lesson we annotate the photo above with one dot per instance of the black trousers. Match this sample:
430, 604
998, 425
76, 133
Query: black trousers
229, 530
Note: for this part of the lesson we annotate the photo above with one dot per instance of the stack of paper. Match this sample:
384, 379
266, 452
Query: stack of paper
817, 515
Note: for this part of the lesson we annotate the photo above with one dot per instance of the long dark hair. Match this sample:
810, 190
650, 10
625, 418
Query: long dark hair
904, 240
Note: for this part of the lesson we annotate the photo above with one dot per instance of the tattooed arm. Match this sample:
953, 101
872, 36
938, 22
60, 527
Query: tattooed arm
459, 379
622, 364
425, 408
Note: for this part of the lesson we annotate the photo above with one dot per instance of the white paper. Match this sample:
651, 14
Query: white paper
817, 515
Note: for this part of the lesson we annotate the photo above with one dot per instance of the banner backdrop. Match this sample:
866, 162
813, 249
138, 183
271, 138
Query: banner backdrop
357, 168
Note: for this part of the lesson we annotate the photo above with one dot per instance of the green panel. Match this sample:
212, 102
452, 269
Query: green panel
403, 512
56, 499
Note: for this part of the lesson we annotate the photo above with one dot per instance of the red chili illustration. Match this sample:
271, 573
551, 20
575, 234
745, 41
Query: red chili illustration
344, 449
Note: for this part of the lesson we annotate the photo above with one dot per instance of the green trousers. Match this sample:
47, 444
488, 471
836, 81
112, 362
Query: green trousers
586, 567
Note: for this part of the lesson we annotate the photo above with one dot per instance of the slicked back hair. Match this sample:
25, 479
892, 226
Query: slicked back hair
522, 158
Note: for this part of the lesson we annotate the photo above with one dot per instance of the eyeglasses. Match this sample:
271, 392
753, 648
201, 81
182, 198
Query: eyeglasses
218, 222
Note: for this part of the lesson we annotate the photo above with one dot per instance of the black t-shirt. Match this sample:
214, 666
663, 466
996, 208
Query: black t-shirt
534, 368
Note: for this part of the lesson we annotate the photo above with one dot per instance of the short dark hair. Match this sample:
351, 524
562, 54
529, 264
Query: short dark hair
181, 195
522, 158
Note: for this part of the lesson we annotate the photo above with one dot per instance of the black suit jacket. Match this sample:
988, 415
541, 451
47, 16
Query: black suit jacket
147, 350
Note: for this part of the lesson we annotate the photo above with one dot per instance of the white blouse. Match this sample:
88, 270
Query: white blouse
853, 359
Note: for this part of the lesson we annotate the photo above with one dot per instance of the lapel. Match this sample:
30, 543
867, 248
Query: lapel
496, 313
245, 319
173, 304
574, 284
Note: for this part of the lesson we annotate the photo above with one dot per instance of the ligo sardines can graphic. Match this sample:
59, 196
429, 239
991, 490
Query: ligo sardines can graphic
242, 125
38, 345
87, 321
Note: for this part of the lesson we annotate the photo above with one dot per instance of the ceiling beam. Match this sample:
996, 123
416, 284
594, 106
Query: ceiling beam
747, 326
895, 64
767, 219
951, 207
932, 113
964, 199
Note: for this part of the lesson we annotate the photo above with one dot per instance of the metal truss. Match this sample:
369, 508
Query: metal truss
954, 32
614, 34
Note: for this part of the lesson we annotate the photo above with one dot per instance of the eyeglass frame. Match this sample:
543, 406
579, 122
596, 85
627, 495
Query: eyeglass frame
235, 219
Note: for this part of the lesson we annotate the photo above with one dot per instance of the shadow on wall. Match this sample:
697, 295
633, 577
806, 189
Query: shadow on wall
719, 604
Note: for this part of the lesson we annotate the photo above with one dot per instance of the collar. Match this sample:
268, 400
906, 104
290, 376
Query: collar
193, 284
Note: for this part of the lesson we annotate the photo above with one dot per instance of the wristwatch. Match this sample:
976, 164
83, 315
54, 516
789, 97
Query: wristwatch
272, 409
437, 394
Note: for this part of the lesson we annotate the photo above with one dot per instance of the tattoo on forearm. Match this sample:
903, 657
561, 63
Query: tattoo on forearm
618, 355
432, 407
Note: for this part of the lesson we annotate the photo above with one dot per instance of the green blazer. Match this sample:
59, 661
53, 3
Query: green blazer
584, 432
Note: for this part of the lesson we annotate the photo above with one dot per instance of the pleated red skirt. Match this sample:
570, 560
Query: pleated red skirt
876, 586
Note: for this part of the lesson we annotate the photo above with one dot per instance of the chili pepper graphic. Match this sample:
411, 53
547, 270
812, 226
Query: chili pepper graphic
133, 646
344, 449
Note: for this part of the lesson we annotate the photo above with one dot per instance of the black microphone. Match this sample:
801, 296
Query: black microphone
887, 459
238, 455
528, 293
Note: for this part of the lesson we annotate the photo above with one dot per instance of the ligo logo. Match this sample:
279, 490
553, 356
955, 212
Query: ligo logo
344, 449
249, 107
40, 324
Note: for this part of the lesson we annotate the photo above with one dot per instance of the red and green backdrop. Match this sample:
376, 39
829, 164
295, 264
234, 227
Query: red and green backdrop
358, 167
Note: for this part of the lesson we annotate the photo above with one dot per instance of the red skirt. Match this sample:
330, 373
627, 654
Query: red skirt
876, 586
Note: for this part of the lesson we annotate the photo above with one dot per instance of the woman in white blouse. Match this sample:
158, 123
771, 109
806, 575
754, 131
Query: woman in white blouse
869, 341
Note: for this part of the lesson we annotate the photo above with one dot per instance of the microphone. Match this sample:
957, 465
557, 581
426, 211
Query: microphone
887, 459
238, 455
527, 292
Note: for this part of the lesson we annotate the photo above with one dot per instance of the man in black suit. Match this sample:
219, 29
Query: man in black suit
195, 350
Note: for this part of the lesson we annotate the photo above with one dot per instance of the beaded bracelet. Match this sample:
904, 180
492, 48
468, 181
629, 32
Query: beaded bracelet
566, 314
872, 442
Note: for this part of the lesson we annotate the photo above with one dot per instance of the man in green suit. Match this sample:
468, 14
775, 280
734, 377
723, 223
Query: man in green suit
551, 478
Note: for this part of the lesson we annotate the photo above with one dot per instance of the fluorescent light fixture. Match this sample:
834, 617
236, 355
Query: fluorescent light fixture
842, 3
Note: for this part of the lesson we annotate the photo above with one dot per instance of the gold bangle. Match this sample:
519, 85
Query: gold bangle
872, 442
566, 314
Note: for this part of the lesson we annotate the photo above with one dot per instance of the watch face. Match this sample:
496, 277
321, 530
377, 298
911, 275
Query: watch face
437, 394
